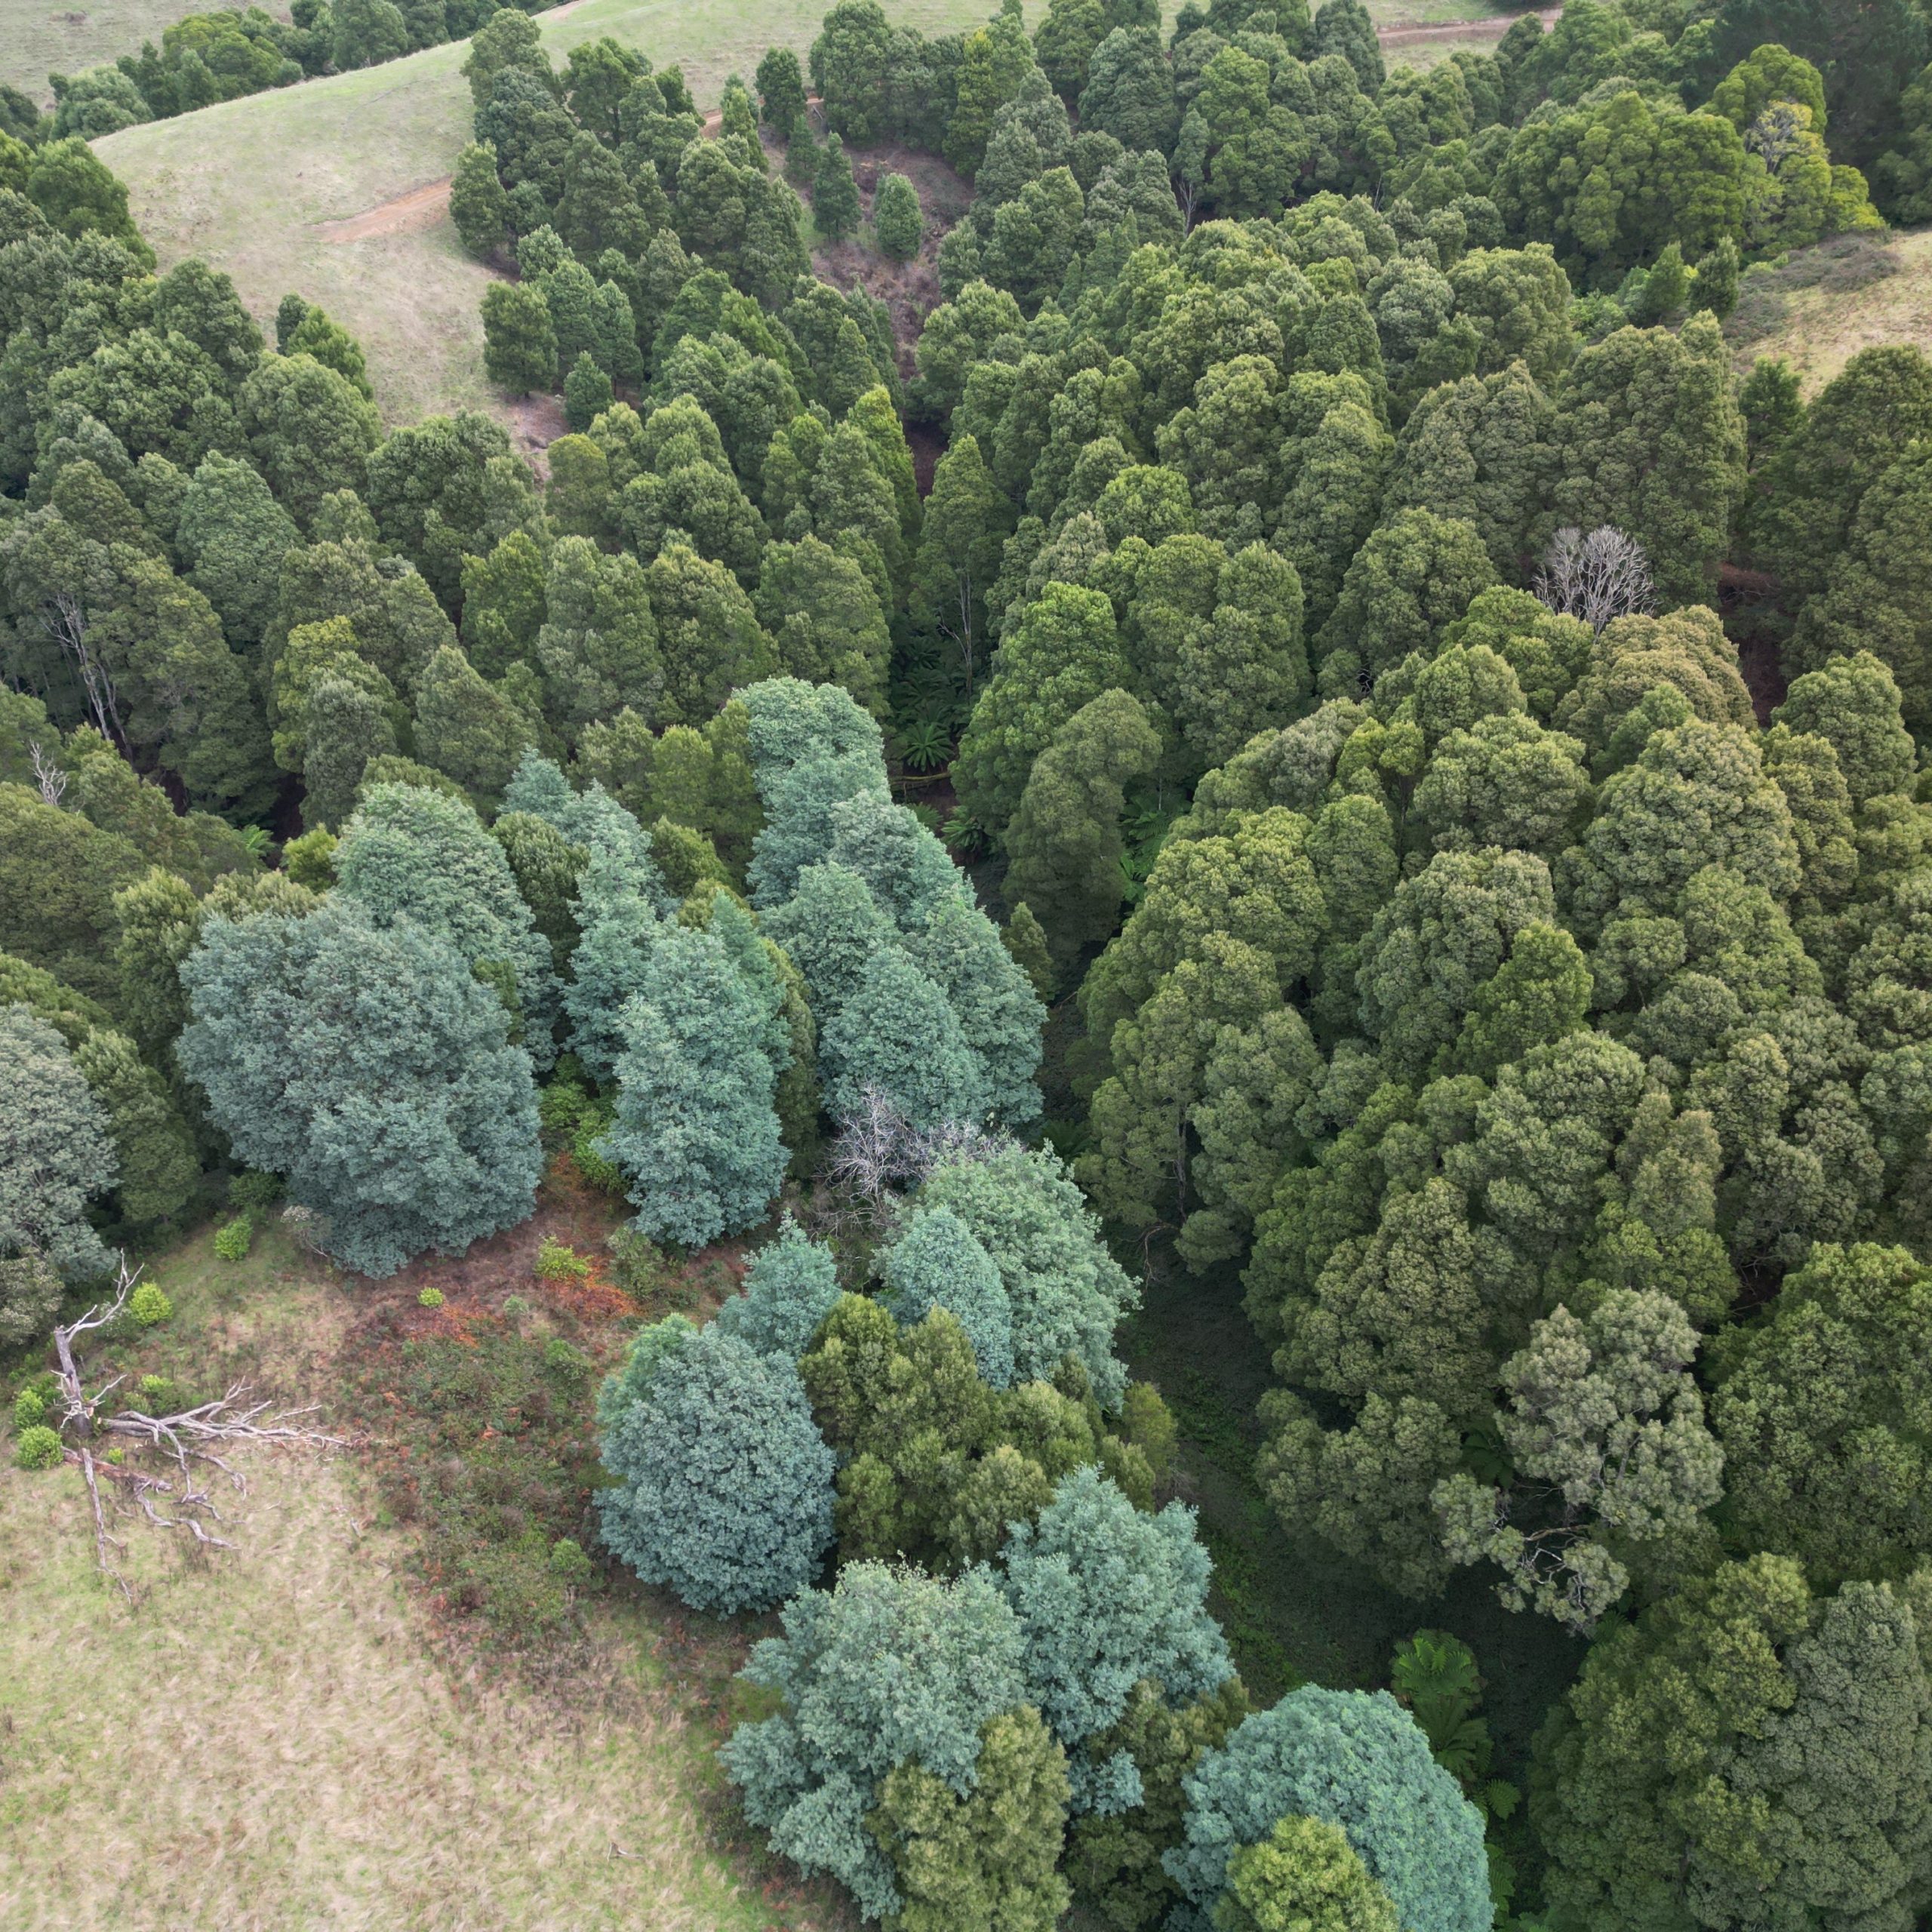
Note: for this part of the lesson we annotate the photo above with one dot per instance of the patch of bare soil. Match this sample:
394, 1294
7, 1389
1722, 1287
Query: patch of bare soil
569, 1210
909, 290
536, 421
1399, 33
421, 208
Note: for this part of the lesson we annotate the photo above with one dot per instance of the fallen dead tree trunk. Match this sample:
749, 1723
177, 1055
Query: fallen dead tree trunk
192, 1446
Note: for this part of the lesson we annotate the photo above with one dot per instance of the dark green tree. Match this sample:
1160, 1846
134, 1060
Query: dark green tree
477, 204
1345, 27
781, 91
1807, 495
835, 194
1065, 846
1650, 441
1061, 653
1872, 599
1129, 92
896, 219
519, 339
367, 33
1777, 1782
848, 64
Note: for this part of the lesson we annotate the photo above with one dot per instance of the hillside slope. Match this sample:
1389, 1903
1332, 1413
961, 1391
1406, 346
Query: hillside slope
295, 189
253, 185
1827, 303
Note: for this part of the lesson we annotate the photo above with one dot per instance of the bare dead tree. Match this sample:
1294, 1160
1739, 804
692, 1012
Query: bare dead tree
962, 633
1598, 578
191, 1445
48, 776
879, 1155
66, 622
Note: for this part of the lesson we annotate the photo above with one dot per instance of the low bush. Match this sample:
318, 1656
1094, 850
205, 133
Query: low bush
571, 1565
637, 1263
150, 1306
597, 1168
558, 1261
430, 1298
254, 1194
567, 1362
233, 1240
38, 1447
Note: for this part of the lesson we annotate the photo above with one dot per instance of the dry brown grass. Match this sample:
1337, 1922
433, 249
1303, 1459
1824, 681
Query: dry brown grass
270, 1739
1827, 303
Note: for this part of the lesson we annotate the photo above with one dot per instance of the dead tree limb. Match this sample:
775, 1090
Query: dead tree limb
66, 622
48, 776
191, 1444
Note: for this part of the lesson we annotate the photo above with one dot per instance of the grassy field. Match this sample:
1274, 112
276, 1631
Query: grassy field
252, 185
1828, 303
363, 1716
279, 1738
42, 37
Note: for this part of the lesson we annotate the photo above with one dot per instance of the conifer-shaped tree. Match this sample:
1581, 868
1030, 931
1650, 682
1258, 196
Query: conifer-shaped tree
835, 194
696, 1133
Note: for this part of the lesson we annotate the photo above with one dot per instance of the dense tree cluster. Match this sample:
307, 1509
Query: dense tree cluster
1314, 611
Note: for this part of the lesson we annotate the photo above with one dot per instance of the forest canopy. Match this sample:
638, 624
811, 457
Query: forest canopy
1300, 733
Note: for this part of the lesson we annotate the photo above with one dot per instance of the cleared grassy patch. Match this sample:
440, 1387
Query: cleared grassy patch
1387, 13
1827, 303
290, 1735
251, 185
43, 37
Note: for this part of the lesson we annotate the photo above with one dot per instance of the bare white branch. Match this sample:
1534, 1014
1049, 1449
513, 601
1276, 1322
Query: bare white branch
189, 1442
66, 622
48, 776
1598, 578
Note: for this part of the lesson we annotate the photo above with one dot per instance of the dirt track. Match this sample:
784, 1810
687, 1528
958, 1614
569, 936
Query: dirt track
417, 209
1406, 33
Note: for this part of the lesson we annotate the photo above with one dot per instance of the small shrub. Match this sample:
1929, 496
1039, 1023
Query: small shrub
558, 1261
150, 1306
156, 1392
570, 1565
635, 1262
38, 1447
596, 1166
430, 1298
254, 1194
560, 1107
515, 1308
567, 1362
231, 1243
29, 1409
